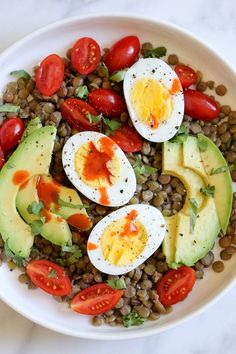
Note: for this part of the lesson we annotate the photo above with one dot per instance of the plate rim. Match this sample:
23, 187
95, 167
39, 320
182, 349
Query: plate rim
145, 331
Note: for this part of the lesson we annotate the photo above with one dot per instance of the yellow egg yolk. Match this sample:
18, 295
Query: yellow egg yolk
151, 101
123, 240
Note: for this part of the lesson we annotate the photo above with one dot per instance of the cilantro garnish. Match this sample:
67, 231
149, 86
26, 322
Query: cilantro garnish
215, 171
133, 319
193, 209
155, 53
82, 92
52, 274
141, 168
208, 191
117, 283
111, 124
181, 135
35, 207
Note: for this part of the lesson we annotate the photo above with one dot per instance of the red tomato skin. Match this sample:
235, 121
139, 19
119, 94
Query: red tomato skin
81, 56
186, 75
38, 271
11, 132
107, 102
86, 300
74, 110
49, 75
128, 139
123, 53
2, 158
200, 106
186, 276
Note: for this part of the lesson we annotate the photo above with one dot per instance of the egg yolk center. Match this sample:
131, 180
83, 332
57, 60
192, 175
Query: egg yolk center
151, 101
123, 240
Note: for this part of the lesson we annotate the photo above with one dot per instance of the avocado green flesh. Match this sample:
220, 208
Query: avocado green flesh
192, 158
192, 167
190, 247
168, 245
173, 165
26, 196
55, 230
33, 125
212, 158
34, 156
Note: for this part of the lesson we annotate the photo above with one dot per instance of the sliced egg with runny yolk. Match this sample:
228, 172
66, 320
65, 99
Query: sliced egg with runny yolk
154, 99
99, 169
125, 238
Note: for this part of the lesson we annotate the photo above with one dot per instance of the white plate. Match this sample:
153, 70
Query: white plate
38, 306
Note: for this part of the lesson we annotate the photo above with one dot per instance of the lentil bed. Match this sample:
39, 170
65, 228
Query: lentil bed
165, 192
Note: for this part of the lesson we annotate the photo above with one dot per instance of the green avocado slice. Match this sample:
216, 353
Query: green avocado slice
32, 157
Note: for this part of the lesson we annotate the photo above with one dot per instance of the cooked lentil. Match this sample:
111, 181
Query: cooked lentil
162, 191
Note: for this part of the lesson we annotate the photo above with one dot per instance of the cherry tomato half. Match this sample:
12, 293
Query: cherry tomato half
123, 53
2, 158
11, 132
75, 111
49, 75
198, 105
175, 285
186, 75
128, 139
85, 55
96, 299
107, 101
49, 277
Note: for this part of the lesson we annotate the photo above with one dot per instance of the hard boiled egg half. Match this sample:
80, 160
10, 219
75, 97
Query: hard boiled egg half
125, 238
99, 169
154, 98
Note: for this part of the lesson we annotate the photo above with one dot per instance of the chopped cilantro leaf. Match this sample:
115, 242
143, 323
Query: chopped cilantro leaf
82, 92
208, 191
193, 209
52, 274
155, 53
117, 283
35, 207
215, 171
133, 319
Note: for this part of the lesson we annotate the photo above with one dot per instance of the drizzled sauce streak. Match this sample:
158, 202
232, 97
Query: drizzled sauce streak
20, 177
104, 198
91, 246
48, 192
129, 228
176, 87
80, 221
95, 166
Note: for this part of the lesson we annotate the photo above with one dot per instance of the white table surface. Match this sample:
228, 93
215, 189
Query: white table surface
212, 332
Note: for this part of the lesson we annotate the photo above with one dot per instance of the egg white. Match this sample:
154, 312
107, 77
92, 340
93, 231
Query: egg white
158, 70
154, 223
119, 193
